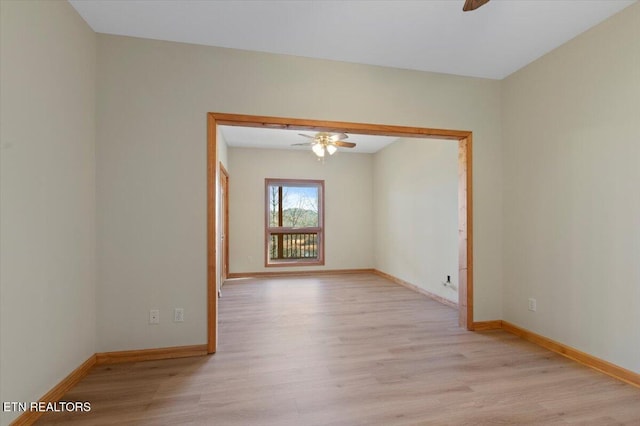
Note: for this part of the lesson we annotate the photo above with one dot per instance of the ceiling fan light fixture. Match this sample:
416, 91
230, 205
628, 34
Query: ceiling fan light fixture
318, 149
324, 142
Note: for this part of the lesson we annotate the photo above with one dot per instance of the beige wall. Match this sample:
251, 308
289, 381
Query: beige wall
47, 190
569, 123
348, 203
416, 213
223, 156
153, 97
571, 129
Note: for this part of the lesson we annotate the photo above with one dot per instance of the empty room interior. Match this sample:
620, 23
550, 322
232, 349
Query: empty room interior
319, 213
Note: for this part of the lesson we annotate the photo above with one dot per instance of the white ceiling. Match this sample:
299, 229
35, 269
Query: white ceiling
259, 137
493, 41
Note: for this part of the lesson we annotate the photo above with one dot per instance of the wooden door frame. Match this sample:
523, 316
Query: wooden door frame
465, 196
224, 185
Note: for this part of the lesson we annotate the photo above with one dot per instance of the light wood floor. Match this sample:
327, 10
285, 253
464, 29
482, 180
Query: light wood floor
351, 350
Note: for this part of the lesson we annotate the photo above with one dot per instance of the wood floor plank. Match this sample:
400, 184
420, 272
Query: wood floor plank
350, 349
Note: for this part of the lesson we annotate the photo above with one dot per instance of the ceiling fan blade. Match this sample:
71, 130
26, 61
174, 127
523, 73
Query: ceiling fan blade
302, 144
344, 144
307, 136
338, 137
473, 4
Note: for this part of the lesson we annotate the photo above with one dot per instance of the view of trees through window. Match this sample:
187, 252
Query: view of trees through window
294, 220
299, 206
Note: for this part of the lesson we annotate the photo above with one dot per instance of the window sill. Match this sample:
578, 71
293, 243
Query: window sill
301, 262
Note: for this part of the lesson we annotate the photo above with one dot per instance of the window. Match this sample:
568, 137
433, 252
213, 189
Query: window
294, 222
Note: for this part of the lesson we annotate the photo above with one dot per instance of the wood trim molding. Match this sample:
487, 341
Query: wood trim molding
487, 325
65, 385
415, 288
212, 237
574, 354
150, 354
224, 183
335, 126
269, 274
57, 392
465, 179
465, 233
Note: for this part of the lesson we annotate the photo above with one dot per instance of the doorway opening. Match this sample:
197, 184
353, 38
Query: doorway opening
215, 227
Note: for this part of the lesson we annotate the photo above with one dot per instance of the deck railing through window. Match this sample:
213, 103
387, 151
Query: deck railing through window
292, 245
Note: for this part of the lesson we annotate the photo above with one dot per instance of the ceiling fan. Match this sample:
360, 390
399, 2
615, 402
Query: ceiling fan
473, 4
326, 142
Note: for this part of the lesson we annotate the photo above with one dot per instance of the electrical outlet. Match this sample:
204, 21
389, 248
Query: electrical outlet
154, 316
449, 284
178, 315
532, 305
